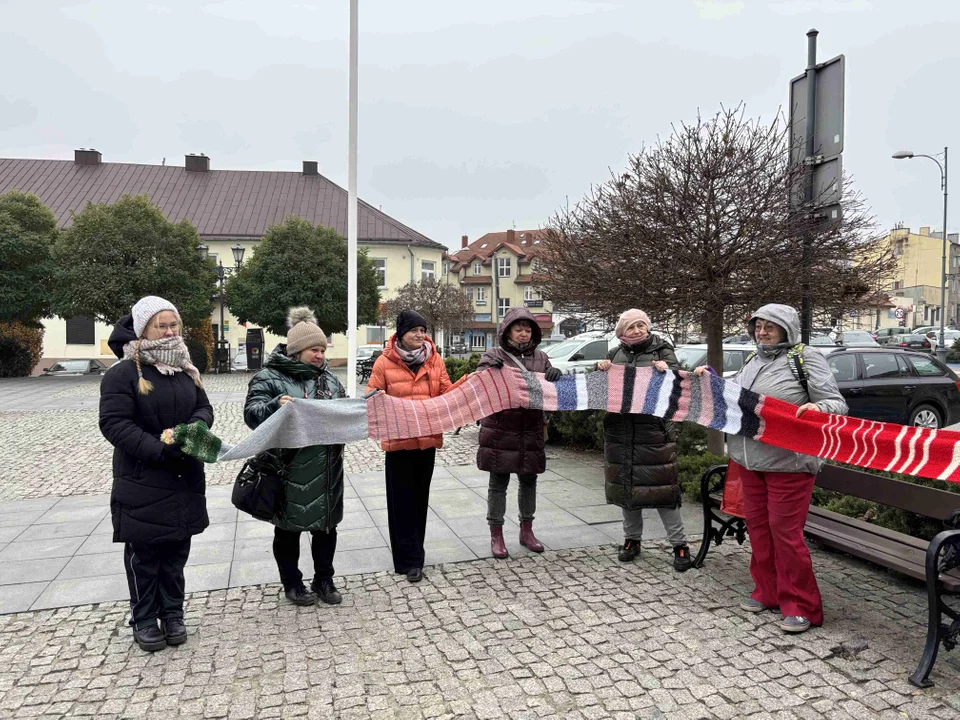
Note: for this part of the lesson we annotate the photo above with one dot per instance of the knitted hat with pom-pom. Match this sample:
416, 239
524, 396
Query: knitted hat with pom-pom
304, 332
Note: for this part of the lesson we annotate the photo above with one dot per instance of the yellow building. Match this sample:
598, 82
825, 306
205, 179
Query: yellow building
498, 272
918, 274
228, 208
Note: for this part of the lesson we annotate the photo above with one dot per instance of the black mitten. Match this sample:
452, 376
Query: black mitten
553, 374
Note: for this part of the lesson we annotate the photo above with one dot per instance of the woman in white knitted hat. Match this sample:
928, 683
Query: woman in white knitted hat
157, 502
313, 482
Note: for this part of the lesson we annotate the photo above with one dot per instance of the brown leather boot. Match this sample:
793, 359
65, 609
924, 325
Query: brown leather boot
497, 546
527, 538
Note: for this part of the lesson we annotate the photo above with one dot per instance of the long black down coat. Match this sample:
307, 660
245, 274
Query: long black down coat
155, 498
640, 451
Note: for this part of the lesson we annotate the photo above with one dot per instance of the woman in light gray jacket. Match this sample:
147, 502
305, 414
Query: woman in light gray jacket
778, 484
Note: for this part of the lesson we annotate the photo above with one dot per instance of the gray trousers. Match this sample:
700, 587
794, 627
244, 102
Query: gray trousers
670, 517
497, 497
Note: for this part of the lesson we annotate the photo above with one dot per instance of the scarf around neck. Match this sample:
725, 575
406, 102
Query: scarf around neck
413, 358
637, 345
771, 351
169, 355
520, 347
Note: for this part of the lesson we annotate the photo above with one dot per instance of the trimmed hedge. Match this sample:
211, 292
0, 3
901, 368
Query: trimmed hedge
457, 368
30, 336
15, 358
198, 353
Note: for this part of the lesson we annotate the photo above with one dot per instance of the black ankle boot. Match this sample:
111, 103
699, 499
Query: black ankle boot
149, 637
174, 631
327, 592
300, 596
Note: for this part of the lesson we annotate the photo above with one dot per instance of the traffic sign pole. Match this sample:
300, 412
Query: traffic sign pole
806, 310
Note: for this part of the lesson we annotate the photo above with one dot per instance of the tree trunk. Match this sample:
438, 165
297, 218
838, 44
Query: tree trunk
713, 325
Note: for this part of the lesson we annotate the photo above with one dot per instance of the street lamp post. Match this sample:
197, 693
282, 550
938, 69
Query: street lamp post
907, 155
222, 272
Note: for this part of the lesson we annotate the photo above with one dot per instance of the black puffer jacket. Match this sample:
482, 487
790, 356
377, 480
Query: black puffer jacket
640, 451
156, 497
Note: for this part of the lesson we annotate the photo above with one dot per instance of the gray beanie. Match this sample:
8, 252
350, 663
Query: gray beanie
304, 332
146, 308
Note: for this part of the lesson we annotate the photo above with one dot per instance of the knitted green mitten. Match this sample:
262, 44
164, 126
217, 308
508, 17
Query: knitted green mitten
197, 441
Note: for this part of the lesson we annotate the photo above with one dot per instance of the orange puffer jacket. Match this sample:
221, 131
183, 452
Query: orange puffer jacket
391, 374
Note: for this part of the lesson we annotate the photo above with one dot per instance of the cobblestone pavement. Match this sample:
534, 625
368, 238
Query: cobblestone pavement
571, 634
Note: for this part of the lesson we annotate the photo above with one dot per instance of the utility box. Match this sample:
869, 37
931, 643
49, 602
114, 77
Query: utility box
254, 349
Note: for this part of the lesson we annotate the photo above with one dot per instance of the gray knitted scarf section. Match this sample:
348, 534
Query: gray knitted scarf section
168, 355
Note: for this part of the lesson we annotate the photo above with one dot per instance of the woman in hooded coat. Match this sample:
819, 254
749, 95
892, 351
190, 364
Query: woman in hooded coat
158, 498
512, 441
640, 451
313, 480
778, 484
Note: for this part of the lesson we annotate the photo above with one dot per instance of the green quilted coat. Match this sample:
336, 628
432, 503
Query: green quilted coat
314, 487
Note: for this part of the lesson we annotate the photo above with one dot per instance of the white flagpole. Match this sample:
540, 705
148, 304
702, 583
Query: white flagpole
352, 210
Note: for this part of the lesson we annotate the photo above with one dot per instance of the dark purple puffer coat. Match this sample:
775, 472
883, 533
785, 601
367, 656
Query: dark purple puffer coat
512, 441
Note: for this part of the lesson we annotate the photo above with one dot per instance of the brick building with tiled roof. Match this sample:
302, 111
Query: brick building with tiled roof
227, 207
497, 272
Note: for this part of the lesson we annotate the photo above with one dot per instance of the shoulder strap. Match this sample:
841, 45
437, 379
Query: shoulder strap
518, 361
795, 361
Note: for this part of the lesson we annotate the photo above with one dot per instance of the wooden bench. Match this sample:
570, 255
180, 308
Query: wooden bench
937, 562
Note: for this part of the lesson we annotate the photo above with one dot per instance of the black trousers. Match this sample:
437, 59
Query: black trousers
409, 473
155, 578
286, 551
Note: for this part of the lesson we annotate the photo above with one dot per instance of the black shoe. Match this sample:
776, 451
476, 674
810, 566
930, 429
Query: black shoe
300, 596
415, 575
149, 638
174, 631
327, 592
629, 551
681, 558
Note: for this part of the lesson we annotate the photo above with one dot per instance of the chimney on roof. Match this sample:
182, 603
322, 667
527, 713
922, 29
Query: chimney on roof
925, 231
310, 167
511, 236
87, 157
197, 163
464, 241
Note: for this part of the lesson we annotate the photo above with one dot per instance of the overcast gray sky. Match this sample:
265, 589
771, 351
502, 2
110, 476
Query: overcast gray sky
474, 116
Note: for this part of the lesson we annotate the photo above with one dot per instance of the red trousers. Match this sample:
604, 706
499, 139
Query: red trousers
776, 506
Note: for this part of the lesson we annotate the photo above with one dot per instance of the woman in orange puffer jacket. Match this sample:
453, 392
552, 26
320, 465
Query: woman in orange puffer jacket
411, 368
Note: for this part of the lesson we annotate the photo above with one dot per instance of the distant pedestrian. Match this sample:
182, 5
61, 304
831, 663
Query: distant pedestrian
640, 451
158, 499
313, 479
410, 367
778, 484
512, 441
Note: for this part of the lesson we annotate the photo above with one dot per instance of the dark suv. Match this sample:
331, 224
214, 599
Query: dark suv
898, 386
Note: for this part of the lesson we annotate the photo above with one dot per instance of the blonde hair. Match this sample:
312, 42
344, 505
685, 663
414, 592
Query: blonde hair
143, 385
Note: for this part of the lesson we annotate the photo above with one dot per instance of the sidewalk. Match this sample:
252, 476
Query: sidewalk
58, 552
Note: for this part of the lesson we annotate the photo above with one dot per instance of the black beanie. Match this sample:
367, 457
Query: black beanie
407, 320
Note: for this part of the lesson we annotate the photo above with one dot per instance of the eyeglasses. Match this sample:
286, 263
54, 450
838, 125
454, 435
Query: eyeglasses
163, 327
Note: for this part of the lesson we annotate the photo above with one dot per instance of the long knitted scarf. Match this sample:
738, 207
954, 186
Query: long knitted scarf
413, 358
707, 400
168, 355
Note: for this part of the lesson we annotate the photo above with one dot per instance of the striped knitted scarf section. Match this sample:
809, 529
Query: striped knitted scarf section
168, 355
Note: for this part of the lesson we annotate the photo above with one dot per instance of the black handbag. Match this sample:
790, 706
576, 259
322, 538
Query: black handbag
259, 487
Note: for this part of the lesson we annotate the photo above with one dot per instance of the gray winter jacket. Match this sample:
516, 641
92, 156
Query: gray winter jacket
770, 374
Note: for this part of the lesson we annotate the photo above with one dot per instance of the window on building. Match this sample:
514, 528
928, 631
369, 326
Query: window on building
503, 304
503, 267
478, 342
81, 331
478, 268
530, 294
446, 267
468, 291
376, 334
380, 267
481, 296
428, 270
897, 284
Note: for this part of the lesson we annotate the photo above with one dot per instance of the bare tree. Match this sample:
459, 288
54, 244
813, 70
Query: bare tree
443, 305
699, 227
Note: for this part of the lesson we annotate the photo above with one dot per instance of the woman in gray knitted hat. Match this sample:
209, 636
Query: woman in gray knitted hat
314, 475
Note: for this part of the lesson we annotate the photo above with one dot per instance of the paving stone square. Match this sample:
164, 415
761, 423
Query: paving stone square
571, 633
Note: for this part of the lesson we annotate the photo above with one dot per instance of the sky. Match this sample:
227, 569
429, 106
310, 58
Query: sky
474, 116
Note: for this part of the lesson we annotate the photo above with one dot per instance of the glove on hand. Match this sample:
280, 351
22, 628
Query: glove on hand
496, 363
172, 452
553, 374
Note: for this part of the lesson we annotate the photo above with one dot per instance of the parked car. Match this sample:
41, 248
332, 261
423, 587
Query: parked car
581, 352
741, 339
365, 352
75, 367
898, 386
924, 329
885, 336
915, 342
734, 355
822, 342
856, 338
